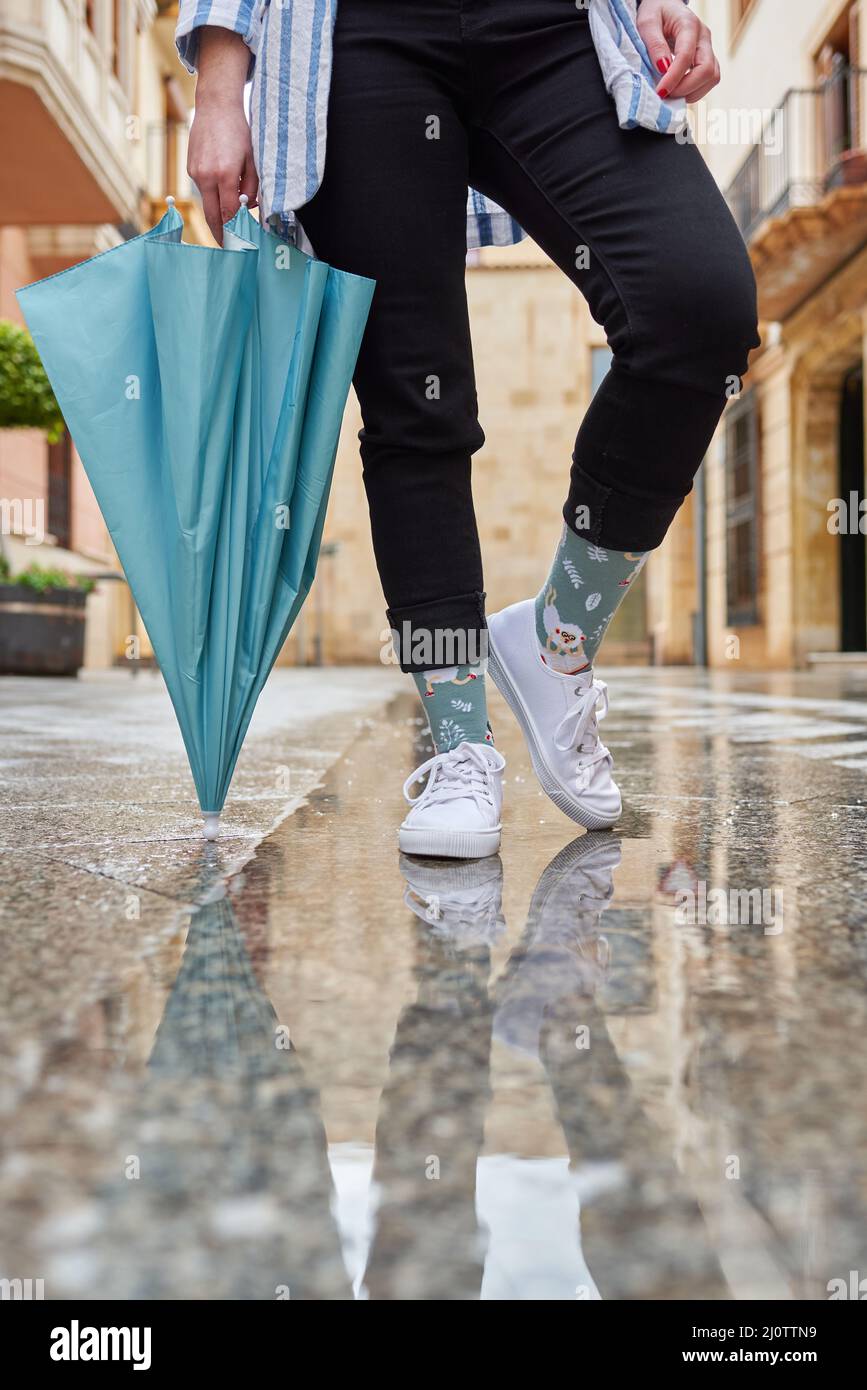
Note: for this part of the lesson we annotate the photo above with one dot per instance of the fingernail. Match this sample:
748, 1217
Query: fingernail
661, 92
662, 64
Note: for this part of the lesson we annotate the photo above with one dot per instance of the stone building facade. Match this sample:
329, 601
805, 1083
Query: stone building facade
771, 582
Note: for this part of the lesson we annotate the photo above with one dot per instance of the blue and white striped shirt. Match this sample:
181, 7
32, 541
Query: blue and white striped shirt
290, 44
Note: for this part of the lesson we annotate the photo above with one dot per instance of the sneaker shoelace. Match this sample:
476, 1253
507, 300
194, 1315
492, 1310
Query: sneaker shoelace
578, 731
464, 771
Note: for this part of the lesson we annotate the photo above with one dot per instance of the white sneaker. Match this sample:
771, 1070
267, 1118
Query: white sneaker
457, 816
558, 715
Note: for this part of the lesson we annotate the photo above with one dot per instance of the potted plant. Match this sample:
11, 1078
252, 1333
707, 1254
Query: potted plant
41, 609
41, 621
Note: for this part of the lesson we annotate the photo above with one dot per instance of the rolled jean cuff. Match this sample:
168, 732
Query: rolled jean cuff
617, 520
442, 633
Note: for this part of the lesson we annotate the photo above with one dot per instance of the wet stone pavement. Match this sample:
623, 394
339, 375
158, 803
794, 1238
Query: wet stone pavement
294, 1064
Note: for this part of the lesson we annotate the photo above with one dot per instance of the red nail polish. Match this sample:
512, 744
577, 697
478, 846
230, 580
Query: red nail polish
662, 65
661, 92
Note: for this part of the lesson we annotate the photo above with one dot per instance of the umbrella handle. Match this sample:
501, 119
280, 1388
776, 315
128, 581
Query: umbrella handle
211, 825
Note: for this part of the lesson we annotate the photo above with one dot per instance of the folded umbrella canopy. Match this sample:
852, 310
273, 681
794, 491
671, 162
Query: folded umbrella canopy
204, 389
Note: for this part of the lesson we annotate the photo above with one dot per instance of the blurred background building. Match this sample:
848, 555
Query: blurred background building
774, 584
95, 110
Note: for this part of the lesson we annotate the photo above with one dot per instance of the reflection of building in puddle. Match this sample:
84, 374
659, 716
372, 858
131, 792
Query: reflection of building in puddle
752, 1078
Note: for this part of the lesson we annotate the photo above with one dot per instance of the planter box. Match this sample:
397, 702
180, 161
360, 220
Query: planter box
41, 634
848, 169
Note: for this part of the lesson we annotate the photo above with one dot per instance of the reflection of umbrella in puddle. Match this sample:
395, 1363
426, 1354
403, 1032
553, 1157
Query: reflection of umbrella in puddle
234, 1194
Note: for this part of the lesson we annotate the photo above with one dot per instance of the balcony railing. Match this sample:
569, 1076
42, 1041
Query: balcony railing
815, 141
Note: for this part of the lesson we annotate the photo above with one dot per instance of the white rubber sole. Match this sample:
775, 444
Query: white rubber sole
561, 797
450, 844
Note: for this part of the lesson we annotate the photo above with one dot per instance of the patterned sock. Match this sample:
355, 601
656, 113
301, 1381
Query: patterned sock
456, 706
582, 593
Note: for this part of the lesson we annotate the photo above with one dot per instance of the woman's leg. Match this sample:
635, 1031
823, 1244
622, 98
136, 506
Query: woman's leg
392, 206
637, 223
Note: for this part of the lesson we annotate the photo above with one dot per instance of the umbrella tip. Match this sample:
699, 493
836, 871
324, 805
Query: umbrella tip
170, 200
244, 200
211, 826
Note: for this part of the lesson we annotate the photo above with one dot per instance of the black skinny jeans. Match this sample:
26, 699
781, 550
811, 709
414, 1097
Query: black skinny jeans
523, 117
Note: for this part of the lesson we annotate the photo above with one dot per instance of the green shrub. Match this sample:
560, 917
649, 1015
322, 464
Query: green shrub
26, 398
42, 578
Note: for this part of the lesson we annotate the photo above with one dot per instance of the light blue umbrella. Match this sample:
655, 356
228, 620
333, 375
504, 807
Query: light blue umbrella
204, 389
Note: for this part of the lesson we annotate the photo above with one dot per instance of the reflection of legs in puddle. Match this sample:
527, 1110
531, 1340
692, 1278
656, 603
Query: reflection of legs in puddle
235, 1191
642, 1235
561, 952
427, 1243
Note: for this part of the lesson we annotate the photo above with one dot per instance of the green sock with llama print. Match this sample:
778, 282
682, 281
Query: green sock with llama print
583, 591
455, 703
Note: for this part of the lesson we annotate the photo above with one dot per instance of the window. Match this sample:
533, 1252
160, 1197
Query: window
59, 490
840, 41
175, 132
742, 523
840, 82
116, 38
739, 10
600, 361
